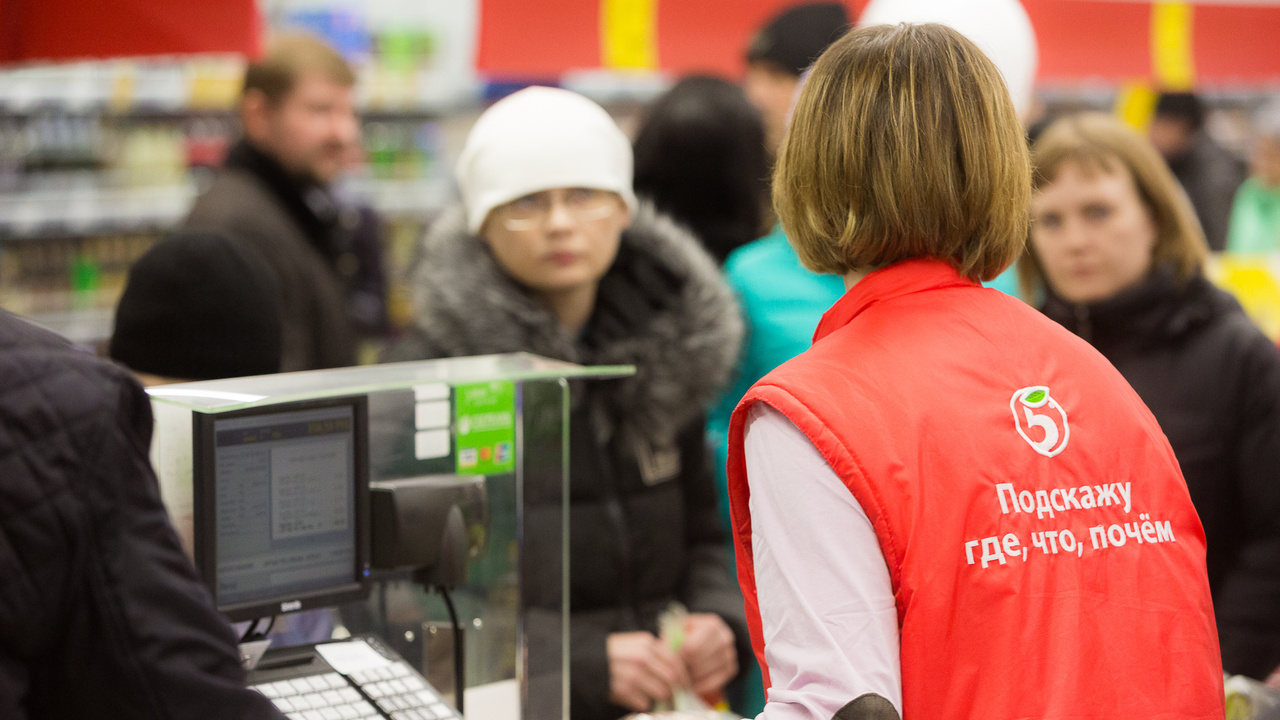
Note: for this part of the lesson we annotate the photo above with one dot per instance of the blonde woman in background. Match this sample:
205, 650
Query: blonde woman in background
1116, 250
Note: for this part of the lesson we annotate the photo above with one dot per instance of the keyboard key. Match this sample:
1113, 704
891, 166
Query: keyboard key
283, 688
365, 709
296, 716
313, 715
284, 704
300, 685
397, 687
267, 689
386, 673
400, 670
443, 711
348, 712
348, 694
318, 682
335, 681
330, 713
413, 683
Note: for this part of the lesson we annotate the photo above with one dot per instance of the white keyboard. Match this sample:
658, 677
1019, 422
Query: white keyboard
396, 690
318, 697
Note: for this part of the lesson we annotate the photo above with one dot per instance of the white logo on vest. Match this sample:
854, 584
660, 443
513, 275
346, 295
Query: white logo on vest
1033, 408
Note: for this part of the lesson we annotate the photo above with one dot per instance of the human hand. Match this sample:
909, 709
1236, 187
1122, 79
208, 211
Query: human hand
708, 654
642, 670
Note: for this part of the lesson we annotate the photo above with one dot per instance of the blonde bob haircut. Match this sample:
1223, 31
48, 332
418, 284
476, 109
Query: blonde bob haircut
904, 144
1097, 142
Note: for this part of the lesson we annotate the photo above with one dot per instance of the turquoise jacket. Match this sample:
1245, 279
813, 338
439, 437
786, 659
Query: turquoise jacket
1255, 219
782, 303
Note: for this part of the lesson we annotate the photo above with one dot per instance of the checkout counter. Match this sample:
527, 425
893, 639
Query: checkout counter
363, 488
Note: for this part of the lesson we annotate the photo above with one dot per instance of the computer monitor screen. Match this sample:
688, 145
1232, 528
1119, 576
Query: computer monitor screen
281, 515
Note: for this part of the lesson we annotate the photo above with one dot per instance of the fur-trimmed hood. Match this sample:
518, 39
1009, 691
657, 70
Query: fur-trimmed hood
683, 352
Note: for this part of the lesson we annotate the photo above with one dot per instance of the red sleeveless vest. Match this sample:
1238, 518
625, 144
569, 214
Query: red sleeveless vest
1044, 553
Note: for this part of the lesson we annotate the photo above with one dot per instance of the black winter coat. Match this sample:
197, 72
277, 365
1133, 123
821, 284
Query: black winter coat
101, 613
644, 526
1212, 380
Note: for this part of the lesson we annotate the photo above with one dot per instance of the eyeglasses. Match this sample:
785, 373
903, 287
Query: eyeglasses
582, 204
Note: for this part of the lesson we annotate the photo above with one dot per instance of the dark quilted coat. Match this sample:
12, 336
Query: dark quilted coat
101, 614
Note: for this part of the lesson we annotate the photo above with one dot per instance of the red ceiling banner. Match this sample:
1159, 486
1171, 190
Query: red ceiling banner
1079, 40
86, 29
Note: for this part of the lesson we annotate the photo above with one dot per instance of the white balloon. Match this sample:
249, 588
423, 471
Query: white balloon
1000, 28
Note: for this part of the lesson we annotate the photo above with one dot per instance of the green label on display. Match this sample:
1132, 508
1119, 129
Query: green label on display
485, 419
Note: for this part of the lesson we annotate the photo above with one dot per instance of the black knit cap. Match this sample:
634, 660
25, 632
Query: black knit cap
198, 306
794, 38
1184, 106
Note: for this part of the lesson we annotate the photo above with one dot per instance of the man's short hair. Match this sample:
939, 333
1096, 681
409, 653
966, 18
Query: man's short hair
288, 58
904, 144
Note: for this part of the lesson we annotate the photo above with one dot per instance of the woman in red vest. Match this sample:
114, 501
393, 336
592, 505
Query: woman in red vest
951, 507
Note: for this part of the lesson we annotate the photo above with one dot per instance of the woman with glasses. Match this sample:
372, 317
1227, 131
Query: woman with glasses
552, 254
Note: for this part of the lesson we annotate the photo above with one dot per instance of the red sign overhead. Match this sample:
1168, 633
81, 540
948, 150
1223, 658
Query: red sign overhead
85, 29
1079, 40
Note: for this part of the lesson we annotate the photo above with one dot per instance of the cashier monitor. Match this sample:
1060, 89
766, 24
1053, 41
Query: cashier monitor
281, 516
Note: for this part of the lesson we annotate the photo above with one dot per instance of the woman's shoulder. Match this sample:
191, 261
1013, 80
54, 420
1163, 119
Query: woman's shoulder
1222, 327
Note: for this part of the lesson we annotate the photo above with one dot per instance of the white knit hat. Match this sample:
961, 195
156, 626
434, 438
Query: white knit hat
538, 139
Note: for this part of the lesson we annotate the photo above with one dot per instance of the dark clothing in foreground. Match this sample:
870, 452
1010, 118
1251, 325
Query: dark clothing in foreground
644, 528
101, 613
1212, 380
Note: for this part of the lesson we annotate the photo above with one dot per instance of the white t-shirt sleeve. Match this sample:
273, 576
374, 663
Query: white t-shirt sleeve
826, 603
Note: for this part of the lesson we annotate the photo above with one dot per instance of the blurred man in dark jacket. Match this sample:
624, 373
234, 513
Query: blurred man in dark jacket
273, 194
780, 52
101, 613
1207, 171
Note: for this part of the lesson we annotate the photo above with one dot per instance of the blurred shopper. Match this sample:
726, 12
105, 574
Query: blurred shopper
1207, 171
700, 158
1118, 254
885, 570
551, 254
1255, 216
199, 306
101, 612
273, 194
780, 52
